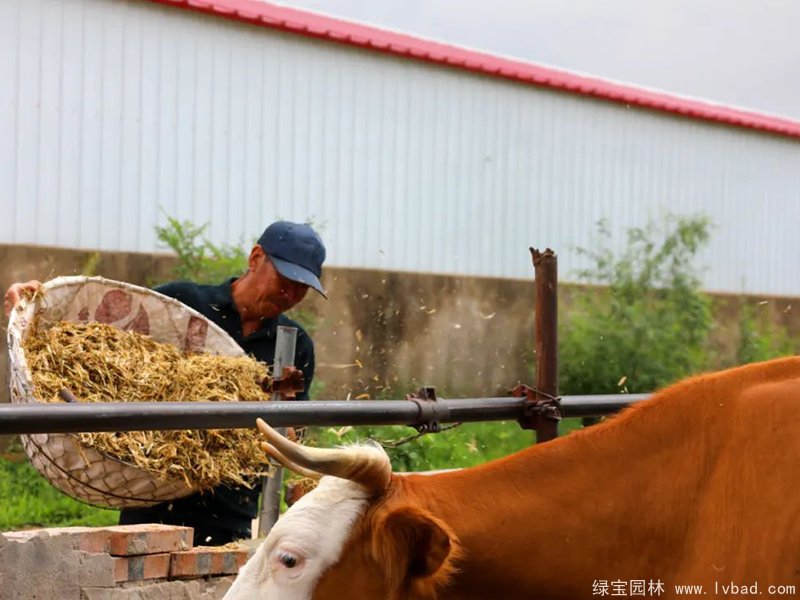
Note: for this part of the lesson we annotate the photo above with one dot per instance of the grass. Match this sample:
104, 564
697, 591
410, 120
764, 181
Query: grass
29, 501
465, 446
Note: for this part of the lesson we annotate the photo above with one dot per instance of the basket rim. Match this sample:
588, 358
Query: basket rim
80, 280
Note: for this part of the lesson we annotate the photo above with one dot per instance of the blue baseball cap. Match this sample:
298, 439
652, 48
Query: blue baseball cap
297, 252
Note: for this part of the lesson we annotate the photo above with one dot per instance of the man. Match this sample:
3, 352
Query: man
282, 266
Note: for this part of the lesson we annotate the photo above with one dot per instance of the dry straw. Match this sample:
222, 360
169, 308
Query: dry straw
99, 363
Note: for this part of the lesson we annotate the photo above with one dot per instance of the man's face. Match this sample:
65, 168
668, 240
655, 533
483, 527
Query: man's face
266, 292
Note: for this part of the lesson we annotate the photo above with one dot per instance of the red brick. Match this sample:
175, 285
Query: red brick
137, 568
151, 538
207, 560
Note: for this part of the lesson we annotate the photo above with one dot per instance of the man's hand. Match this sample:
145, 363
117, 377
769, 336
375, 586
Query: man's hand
16, 291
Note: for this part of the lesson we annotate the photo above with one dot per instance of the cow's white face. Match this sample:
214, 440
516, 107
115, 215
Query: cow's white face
304, 543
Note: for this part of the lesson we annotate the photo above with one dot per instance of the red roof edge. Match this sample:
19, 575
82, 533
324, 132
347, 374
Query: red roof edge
320, 26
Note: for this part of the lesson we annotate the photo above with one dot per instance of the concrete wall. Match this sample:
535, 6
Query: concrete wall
384, 333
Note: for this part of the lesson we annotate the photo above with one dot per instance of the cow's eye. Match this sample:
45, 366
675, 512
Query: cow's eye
287, 560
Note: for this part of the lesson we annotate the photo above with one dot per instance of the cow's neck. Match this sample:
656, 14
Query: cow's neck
526, 519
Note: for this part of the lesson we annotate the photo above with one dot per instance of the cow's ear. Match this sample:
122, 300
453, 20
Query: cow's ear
415, 546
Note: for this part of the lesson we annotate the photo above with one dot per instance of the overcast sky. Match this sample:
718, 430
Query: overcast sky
742, 53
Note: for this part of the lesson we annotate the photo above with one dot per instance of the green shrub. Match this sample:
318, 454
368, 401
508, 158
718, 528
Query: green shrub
200, 260
648, 327
759, 339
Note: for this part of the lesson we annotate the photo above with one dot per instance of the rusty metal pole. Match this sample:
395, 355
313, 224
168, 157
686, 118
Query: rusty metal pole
545, 266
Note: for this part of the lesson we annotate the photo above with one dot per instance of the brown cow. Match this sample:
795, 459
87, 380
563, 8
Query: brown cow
696, 486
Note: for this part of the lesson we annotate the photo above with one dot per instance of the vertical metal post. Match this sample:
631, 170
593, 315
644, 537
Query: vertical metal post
545, 265
271, 487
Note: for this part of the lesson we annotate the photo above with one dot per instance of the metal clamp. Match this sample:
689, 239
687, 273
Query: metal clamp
538, 408
428, 419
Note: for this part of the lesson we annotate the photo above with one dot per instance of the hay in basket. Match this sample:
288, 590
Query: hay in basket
109, 341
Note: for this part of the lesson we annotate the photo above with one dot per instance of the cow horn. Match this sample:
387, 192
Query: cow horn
285, 462
363, 465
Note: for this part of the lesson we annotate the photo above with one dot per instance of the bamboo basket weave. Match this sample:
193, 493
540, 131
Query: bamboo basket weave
75, 469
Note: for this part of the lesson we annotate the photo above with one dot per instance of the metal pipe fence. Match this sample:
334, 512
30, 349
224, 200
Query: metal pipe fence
136, 416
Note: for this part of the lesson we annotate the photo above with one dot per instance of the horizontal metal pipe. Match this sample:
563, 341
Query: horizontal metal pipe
598, 405
136, 416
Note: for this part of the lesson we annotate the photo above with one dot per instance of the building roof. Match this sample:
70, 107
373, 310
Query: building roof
336, 30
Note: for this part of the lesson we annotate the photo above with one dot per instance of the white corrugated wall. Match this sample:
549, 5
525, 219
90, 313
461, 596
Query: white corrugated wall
114, 113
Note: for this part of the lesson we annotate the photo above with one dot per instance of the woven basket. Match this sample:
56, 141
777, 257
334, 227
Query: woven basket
75, 469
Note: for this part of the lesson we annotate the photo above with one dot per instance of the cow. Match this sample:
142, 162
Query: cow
698, 485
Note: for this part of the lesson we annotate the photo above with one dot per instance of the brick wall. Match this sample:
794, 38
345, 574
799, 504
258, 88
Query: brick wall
124, 562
